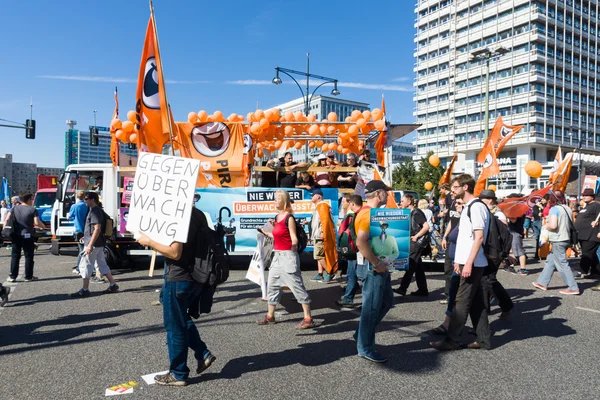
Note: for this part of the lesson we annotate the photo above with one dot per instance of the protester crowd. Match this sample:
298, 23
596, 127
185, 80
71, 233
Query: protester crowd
460, 230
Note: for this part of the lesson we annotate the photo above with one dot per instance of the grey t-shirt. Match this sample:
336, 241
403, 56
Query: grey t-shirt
24, 216
95, 216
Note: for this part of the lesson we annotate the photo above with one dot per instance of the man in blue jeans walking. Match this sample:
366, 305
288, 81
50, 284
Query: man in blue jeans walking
179, 289
377, 293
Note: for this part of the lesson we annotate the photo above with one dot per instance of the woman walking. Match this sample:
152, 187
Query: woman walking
285, 267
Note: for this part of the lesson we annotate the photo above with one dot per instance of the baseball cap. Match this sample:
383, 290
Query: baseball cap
487, 194
375, 185
317, 191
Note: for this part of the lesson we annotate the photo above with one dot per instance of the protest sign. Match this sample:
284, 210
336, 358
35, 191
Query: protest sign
127, 189
390, 236
123, 217
162, 197
261, 259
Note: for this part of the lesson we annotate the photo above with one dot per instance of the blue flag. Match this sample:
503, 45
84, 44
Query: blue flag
5, 191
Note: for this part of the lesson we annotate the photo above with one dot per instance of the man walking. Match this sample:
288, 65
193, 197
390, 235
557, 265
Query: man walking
587, 232
179, 289
25, 217
377, 293
77, 213
470, 262
93, 250
347, 301
419, 231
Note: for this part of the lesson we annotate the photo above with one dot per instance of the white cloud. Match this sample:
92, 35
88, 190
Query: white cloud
402, 79
111, 79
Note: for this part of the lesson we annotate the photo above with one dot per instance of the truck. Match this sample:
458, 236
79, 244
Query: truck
108, 181
45, 197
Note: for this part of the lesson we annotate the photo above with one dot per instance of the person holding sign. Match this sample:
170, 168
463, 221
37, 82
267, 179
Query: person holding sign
377, 293
285, 266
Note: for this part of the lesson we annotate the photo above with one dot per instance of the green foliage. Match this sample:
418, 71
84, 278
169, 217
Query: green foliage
406, 176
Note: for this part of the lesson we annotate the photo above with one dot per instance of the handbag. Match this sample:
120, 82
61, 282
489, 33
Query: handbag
8, 229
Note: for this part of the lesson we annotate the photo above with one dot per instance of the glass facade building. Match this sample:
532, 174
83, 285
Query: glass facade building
78, 149
547, 82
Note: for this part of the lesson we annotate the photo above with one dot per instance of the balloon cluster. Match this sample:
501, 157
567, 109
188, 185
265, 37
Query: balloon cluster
125, 131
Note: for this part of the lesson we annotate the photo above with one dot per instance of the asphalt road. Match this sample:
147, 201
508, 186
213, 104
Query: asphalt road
55, 347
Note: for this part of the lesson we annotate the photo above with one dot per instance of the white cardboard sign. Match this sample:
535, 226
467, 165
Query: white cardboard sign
162, 197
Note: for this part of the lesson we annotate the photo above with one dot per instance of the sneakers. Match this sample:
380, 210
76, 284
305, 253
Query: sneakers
596, 288
306, 324
522, 272
168, 380
444, 301
112, 288
207, 362
328, 278
4, 292
156, 303
95, 279
539, 286
401, 292
11, 280
318, 278
33, 278
578, 275
81, 293
569, 292
374, 357
75, 271
267, 320
345, 304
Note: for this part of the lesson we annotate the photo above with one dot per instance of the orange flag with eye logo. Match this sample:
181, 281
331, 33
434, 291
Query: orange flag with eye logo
151, 99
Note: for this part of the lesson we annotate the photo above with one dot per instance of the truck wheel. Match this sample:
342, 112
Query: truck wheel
55, 247
112, 258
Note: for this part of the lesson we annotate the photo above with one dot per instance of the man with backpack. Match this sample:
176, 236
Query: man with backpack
471, 262
347, 249
180, 290
93, 247
419, 240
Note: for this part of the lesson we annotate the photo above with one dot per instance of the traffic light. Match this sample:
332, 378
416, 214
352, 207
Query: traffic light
94, 136
30, 129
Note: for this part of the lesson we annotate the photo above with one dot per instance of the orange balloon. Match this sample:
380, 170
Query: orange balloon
361, 123
259, 145
325, 147
133, 138
332, 117
323, 129
271, 148
492, 188
345, 150
278, 143
250, 117
319, 143
311, 144
428, 185
298, 145
298, 115
340, 148
379, 125
434, 161
332, 146
232, 117
202, 116
115, 124
331, 129
192, 117
264, 123
218, 116
260, 153
254, 128
259, 114
132, 116
311, 118
289, 130
313, 130
127, 127
356, 115
376, 114
533, 169
289, 116
366, 114
120, 134
353, 130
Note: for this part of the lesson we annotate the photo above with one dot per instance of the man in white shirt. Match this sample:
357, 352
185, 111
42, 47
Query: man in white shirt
470, 262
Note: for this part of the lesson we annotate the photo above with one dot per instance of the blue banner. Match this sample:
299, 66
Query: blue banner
242, 210
390, 236
5, 191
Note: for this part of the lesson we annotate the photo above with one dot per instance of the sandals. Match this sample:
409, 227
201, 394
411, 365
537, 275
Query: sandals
267, 320
306, 324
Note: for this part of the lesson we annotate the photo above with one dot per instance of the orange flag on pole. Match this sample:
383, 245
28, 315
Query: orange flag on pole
382, 139
555, 165
447, 176
490, 166
151, 98
561, 177
500, 135
114, 142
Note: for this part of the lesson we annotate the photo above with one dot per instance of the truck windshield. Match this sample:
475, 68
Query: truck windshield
44, 199
80, 180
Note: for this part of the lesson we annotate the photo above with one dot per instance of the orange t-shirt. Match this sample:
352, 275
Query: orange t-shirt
362, 222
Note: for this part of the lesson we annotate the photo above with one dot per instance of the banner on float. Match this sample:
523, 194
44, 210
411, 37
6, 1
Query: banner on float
242, 210
390, 236
590, 182
127, 189
261, 259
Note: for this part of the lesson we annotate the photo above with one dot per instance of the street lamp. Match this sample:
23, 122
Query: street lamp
305, 94
579, 161
487, 54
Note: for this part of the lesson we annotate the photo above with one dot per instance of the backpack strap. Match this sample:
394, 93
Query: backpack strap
478, 200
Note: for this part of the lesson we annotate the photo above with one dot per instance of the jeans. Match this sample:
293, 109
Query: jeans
537, 230
351, 282
415, 266
452, 290
378, 298
448, 273
18, 243
181, 331
557, 260
469, 301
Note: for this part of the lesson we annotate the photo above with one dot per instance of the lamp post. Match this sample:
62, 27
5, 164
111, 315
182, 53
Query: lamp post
579, 161
305, 94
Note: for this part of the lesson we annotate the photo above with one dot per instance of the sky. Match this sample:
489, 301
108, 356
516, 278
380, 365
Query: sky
68, 56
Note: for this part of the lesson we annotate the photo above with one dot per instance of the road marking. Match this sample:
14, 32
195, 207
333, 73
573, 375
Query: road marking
588, 309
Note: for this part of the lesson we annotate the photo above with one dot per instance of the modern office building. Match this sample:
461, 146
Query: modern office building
78, 149
546, 81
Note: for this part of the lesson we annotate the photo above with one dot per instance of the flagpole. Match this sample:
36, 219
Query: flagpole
162, 76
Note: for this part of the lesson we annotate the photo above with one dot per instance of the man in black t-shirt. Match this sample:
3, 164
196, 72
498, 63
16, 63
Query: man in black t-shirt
419, 231
269, 179
305, 181
179, 289
287, 179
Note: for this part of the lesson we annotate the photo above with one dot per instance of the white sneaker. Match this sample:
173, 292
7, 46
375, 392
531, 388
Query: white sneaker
11, 280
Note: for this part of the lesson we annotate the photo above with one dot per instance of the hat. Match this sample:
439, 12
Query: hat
487, 194
331, 153
384, 223
322, 157
588, 192
374, 186
317, 191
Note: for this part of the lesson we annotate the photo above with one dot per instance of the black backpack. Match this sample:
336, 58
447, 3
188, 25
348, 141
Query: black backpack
300, 233
210, 259
415, 228
498, 241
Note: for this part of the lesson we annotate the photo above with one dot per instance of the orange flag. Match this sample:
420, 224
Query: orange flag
490, 166
382, 139
561, 177
329, 238
114, 142
151, 99
447, 176
517, 207
557, 161
500, 135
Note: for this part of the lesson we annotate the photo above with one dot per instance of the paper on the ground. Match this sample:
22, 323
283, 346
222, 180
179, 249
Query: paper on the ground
149, 379
116, 392
123, 388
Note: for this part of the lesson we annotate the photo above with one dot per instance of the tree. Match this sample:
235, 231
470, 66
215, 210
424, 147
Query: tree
427, 173
403, 175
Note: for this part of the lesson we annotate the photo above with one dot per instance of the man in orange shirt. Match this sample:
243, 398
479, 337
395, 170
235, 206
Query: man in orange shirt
377, 293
